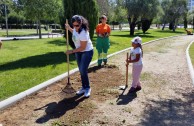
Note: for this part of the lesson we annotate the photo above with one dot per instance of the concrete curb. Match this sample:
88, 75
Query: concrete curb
10, 101
190, 65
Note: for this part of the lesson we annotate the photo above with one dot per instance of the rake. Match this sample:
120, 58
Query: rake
68, 88
126, 85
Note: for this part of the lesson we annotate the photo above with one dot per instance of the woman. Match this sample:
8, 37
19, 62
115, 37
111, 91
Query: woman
102, 43
83, 50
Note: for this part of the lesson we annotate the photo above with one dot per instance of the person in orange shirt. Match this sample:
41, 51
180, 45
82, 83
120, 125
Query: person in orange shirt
102, 43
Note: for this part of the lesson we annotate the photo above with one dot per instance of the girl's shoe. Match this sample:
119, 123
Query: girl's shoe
132, 90
138, 88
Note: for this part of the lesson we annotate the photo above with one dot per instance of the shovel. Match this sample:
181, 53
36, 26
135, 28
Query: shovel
126, 85
68, 88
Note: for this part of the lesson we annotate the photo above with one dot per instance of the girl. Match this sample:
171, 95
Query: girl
135, 57
83, 50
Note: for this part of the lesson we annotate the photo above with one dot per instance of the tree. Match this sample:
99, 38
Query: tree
145, 25
38, 10
185, 22
140, 9
103, 6
5, 10
120, 12
173, 11
86, 8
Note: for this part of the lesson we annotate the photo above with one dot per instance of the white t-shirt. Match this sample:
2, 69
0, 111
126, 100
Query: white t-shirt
133, 53
83, 36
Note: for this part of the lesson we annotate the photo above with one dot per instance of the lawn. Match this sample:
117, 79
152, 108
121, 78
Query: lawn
26, 63
191, 52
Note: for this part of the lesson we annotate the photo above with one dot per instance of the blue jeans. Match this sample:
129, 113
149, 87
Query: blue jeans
83, 61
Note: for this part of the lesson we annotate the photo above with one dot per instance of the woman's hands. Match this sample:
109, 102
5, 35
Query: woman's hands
69, 52
67, 27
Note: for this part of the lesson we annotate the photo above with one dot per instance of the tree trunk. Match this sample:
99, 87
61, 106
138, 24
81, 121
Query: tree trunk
163, 26
193, 23
39, 27
132, 28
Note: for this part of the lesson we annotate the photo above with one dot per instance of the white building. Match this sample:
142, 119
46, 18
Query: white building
190, 4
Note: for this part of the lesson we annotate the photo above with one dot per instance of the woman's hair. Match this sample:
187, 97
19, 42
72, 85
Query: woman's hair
82, 21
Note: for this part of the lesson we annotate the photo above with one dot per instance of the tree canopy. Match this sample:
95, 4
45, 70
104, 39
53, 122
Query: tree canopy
140, 9
86, 8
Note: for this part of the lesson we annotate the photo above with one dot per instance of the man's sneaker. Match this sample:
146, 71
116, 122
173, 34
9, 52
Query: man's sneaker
138, 88
132, 90
87, 92
81, 91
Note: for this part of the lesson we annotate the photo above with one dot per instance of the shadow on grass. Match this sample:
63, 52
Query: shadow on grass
58, 42
52, 58
146, 35
170, 112
168, 31
55, 110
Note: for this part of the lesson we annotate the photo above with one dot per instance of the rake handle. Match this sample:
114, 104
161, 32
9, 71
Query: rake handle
67, 41
127, 70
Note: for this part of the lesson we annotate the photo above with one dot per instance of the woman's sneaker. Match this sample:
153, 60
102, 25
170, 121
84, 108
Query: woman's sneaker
81, 91
87, 92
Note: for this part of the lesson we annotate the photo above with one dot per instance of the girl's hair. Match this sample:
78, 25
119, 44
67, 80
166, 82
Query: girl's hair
141, 48
82, 21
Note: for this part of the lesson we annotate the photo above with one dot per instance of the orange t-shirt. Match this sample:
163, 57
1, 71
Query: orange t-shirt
102, 28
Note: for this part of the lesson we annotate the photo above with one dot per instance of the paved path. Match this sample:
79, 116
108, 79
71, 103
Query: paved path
167, 95
30, 37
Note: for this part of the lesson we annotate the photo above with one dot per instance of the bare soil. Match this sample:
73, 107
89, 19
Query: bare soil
166, 98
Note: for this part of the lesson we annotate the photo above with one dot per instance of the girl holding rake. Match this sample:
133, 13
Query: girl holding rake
135, 58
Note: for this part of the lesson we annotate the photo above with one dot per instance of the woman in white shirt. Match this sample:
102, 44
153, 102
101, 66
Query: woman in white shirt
83, 51
136, 55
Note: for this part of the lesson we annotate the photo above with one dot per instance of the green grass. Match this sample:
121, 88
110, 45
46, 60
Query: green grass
191, 52
26, 63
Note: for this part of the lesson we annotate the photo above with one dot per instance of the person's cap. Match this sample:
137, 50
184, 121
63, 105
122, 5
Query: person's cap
103, 17
137, 40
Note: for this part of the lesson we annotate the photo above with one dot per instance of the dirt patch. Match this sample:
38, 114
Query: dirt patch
166, 97
48, 106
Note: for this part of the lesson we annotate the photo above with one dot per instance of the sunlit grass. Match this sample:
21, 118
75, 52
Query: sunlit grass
191, 52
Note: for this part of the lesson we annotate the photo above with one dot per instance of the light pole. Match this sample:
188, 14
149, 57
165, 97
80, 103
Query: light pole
6, 20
